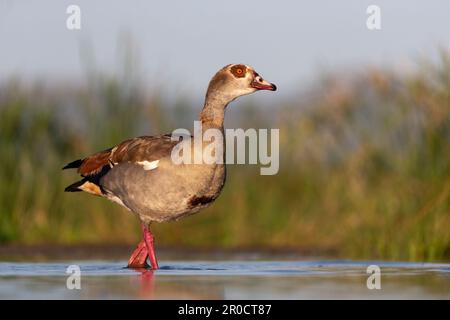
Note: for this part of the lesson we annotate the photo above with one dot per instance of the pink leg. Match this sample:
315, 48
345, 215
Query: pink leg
149, 240
139, 256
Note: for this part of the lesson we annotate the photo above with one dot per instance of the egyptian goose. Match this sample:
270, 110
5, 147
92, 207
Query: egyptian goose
140, 175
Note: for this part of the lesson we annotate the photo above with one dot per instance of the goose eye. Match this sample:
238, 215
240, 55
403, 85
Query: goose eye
238, 71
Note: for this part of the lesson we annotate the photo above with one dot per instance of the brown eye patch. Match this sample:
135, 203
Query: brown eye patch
239, 70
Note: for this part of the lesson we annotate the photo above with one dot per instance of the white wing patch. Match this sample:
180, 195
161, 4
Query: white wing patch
149, 165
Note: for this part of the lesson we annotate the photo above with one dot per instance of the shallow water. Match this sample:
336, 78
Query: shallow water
226, 280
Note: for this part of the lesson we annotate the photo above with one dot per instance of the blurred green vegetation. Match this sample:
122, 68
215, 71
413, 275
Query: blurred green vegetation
365, 166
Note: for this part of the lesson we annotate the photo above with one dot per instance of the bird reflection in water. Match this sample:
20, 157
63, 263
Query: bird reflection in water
146, 283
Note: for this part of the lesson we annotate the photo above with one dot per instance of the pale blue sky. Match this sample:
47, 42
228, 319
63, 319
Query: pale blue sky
184, 42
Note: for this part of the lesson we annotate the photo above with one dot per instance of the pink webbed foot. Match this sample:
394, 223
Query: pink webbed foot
139, 256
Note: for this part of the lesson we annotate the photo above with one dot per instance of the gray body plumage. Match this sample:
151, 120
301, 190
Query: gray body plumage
167, 192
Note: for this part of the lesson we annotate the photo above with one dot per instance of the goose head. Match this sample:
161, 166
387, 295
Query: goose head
235, 80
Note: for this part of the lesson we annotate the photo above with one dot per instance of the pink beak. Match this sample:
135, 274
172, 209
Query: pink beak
261, 84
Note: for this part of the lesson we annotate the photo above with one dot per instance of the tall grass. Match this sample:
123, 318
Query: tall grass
365, 167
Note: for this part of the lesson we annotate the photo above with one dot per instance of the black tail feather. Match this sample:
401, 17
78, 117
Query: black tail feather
73, 164
74, 186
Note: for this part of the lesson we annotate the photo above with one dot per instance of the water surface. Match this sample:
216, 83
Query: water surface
315, 279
